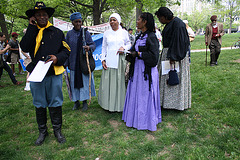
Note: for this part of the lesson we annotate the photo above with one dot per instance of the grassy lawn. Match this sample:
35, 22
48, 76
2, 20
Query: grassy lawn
227, 41
209, 130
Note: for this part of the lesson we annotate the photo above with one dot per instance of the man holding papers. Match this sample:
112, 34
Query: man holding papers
46, 43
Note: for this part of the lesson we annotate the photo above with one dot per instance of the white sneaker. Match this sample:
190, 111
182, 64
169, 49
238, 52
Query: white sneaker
27, 87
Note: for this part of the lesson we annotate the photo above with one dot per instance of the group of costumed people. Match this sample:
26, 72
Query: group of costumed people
147, 90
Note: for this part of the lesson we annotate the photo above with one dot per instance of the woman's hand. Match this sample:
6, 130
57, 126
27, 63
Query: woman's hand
87, 48
104, 65
120, 50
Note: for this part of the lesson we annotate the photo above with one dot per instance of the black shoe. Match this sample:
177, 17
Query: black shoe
41, 138
212, 64
85, 106
59, 136
76, 105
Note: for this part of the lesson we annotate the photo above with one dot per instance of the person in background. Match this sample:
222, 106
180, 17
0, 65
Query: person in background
142, 108
191, 35
27, 59
175, 46
213, 39
132, 40
14, 52
3, 63
123, 27
44, 42
131, 36
112, 89
137, 33
75, 40
159, 37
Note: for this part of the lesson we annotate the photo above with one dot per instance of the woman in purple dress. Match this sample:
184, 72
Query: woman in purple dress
142, 104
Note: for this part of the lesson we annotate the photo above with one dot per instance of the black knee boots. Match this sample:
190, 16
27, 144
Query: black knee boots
41, 116
56, 118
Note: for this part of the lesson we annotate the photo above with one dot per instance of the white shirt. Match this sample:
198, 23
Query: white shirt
112, 42
190, 32
159, 37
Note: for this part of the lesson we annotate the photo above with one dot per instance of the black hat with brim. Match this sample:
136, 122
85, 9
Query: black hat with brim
40, 6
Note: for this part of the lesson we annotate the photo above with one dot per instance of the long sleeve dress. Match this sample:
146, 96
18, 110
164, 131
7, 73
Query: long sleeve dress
176, 43
142, 108
112, 89
81, 93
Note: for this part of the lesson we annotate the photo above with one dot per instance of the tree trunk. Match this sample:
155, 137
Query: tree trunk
97, 9
96, 12
230, 27
3, 26
138, 8
96, 15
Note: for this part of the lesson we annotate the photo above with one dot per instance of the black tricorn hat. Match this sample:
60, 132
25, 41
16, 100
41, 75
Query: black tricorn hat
40, 6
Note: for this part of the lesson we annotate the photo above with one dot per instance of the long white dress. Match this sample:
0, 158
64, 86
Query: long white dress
112, 89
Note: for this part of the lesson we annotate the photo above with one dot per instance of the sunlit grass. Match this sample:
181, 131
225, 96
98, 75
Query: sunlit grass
209, 130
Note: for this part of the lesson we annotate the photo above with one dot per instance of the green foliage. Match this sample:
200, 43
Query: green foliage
198, 20
14, 10
208, 130
229, 11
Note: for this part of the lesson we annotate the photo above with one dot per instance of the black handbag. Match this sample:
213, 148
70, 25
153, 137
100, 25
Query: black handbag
173, 77
83, 63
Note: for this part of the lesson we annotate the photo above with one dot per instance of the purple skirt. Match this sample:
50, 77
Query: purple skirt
142, 108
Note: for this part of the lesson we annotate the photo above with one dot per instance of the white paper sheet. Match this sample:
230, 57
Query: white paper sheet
39, 71
112, 58
166, 67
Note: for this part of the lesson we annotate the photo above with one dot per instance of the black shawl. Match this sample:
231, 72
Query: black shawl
78, 81
175, 37
150, 54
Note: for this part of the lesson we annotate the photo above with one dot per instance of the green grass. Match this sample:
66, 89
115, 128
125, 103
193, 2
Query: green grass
209, 130
227, 41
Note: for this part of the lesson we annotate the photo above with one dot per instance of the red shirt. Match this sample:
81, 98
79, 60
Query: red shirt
215, 31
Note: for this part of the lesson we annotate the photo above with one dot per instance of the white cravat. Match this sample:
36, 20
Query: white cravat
215, 26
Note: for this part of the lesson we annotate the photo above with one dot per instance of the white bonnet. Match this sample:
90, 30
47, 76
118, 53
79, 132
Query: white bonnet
117, 16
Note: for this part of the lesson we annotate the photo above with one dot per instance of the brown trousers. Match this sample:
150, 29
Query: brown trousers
215, 49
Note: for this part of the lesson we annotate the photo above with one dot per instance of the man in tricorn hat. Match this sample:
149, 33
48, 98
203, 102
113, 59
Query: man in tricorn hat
213, 39
44, 42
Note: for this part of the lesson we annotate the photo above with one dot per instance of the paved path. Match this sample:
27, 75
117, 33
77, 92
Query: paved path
204, 50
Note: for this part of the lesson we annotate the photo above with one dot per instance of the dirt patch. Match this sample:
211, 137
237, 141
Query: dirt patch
85, 142
70, 148
238, 61
150, 137
107, 148
106, 135
85, 114
163, 152
169, 125
95, 122
114, 124
159, 129
126, 135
